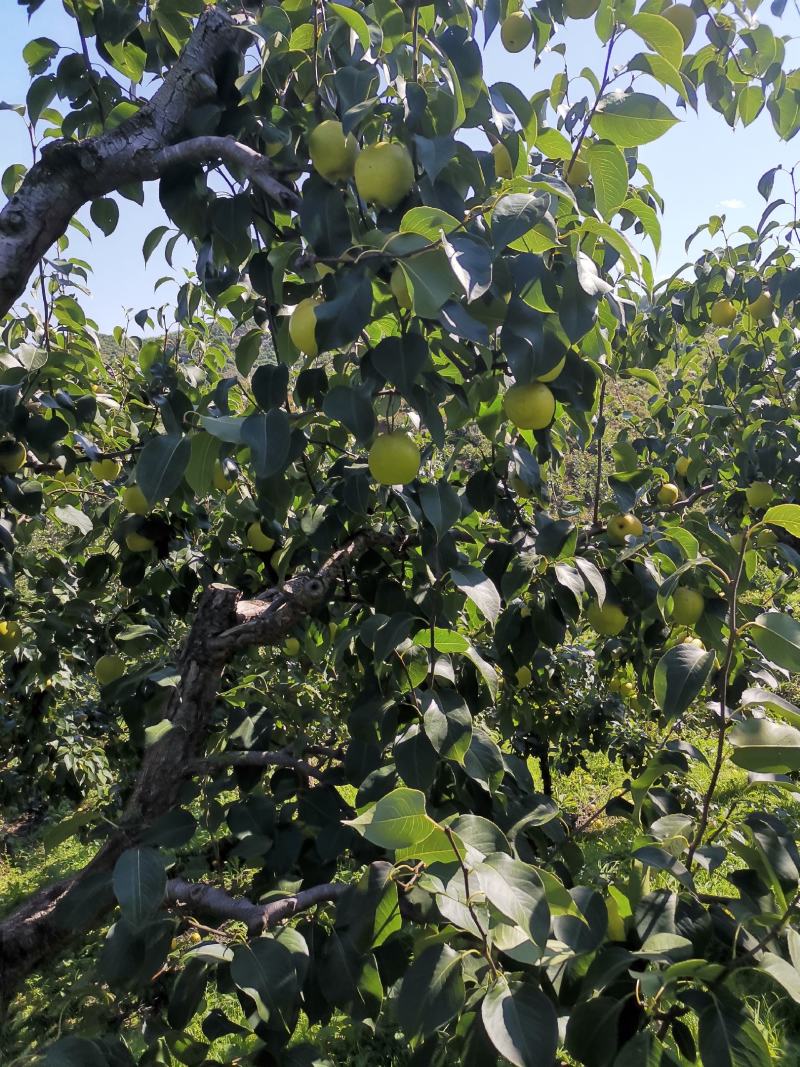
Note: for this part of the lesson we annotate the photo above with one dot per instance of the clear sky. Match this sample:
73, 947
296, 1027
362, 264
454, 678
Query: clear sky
701, 166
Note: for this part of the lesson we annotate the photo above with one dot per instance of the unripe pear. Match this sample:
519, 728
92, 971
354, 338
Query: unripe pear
608, 620
668, 494
722, 312
137, 542
516, 31
10, 635
530, 406
303, 326
687, 606
333, 155
105, 470
503, 167
394, 459
620, 526
108, 669
762, 307
384, 174
12, 455
257, 539
134, 500
759, 494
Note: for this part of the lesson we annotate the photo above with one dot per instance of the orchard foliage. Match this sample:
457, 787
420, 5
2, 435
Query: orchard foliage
391, 749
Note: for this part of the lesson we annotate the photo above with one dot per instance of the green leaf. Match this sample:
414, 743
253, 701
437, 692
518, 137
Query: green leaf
128, 58
65, 828
764, 699
75, 1052
662, 71
652, 227
12, 179
247, 350
481, 590
105, 214
161, 466
777, 637
398, 820
660, 34
728, 1037
226, 428
446, 641
200, 468
432, 281
39, 53
632, 119
750, 103
355, 22
70, 515
448, 724
265, 970
680, 676
765, 747
516, 890
428, 222
269, 438
787, 516
440, 504
152, 241
553, 144
515, 215
139, 882
431, 992
353, 409
630, 257
436, 848
521, 1023
609, 172
783, 972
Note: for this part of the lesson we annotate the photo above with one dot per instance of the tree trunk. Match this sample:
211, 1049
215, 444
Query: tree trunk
223, 626
35, 931
544, 766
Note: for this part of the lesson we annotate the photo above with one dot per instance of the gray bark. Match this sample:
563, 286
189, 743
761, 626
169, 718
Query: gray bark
70, 174
203, 899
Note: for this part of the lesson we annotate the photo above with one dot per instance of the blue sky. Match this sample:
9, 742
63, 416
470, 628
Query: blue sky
701, 166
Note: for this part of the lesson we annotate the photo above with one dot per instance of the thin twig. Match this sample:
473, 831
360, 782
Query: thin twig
598, 477
588, 120
722, 728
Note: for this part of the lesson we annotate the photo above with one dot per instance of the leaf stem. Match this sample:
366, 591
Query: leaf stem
487, 952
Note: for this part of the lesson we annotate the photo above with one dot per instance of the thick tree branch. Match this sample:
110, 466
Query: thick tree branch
33, 932
258, 759
69, 174
198, 897
265, 622
233, 154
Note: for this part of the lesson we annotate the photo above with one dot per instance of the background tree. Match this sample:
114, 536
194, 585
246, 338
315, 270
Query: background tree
308, 530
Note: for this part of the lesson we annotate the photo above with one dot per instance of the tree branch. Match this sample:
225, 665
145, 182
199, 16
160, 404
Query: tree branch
33, 932
209, 900
261, 622
233, 154
69, 174
258, 759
